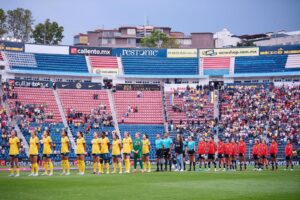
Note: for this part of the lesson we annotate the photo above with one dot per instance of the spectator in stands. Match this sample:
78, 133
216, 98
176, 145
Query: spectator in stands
139, 94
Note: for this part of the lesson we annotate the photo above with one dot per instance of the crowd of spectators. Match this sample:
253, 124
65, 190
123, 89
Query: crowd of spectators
260, 110
198, 108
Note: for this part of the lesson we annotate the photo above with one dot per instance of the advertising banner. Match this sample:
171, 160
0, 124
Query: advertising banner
11, 46
182, 53
229, 52
106, 71
30, 83
49, 49
136, 52
138, 87
280, 50
93, 51
79, 85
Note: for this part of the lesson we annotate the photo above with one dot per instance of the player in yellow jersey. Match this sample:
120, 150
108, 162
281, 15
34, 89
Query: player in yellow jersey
116, 153
80, 152
34, 145
104, 154
14, 146
146, 150
65, 150
127, 148
96, 147
47, 151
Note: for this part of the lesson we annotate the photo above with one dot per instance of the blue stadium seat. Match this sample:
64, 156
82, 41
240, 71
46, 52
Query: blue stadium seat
160, 66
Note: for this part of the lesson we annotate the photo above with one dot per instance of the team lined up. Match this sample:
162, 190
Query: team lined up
227, 153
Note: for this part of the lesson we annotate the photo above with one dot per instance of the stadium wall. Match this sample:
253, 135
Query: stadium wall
47, 49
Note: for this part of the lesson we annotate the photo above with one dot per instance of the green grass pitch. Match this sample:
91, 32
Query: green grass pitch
162, 185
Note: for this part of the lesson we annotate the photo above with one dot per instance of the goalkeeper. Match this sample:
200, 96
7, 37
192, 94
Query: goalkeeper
137, 152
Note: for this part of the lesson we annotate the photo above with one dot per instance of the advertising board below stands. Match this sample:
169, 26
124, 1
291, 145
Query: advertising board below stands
31, 83
138, 87
93, 51
280, 50
178, 87
229, 52
11, 46
182, 53
79, 85
136, 52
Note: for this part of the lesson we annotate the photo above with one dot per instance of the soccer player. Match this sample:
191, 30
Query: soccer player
47, 151
178, 144
234, 149
96, 148
255, 154
191, 149
146, 151
65, 150
137, 152
80, 152
211, 150
221, 149
167, 146
242, 147
104, 155
159, 152
288, 155
34, 145
260, 159
202, 152
274, 153
116, 153
14, 146
264, 154
127, 148
228, 149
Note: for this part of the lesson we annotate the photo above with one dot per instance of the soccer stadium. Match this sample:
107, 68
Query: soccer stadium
197, 116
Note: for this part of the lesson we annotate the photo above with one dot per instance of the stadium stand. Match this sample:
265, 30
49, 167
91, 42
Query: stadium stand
103, 61
261, 64
47, 62
81, 104
216, 66
35, 104
160, 66
189, 105
146, 109
21, 60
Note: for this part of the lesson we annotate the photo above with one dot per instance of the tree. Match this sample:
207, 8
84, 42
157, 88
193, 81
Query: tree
159, 39
19, 22
2, 22
48, 33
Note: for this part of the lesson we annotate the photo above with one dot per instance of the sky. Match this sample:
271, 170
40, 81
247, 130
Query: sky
239, 16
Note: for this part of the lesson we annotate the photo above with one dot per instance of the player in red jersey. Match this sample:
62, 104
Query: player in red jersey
234, 151
211, 150
202, 152
255, 154
264, 154
260, 160
273, 153
221, 152
242, 147
288, 155
227, 150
